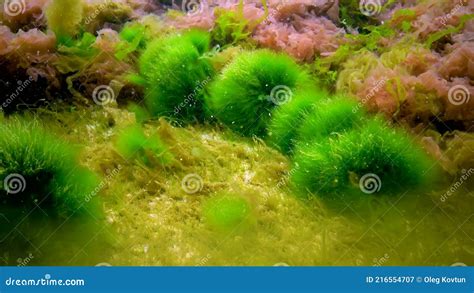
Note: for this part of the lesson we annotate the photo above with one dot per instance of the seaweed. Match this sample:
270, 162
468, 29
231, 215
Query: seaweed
331, 119
133, 144
225, 212
327, 68
373, 159
402, 19
231, 26
40, 170
361, 14
175, 74
251, 87
433, 38
133, 39
287, 119
136, 35
64, 18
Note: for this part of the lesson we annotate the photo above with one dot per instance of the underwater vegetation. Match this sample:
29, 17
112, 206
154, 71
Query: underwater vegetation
247, 91
348, 162
52, 177
132, 143
283, 127
232, 26
331, 118
64, 18
41, 172
281, 101
225, 211
175, 74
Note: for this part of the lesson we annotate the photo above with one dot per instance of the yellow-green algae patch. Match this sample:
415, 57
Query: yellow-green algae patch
152, 220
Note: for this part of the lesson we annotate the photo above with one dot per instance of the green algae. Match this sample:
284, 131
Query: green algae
225, 212
64, 18
244, 95
283, 128
176, 75
132, 143
340, 165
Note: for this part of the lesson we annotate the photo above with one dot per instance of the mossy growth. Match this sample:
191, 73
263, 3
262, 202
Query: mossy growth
133, 144
331, 118
327, 69
132, 38
231, 26
64, 18
374, 159
38, 170
362, 13
283, 128
251, 87
74, 54
225, 212
135, 35
175, 74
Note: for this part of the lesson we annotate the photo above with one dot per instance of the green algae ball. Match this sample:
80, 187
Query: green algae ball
46, 198
226, 212
176, 74
38, 170
251, 87
283, 128
371, 160
331, 118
